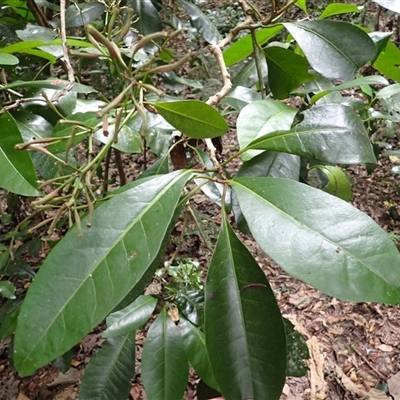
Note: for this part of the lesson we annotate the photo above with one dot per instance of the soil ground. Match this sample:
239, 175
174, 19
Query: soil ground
354, 348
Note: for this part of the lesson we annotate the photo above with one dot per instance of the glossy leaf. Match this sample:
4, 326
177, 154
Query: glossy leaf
130, 318
321, 239
149, 20
333, 181
201, 22
297, 351
193, 118
259, 118
83, 13
392, 5
338, 8
331, 133
7, 289
243, 47
365, 80
332, 47
286, 71
196, 351
381, 40
191, 304
244, 331
164, 363
248, 76
240, 96
108, 374
388, 91
118, 253
17, 173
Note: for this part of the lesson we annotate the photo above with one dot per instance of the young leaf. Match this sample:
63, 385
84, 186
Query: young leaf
243, 48
321, 239
193, 118
130, 318
196, 351
8, 59
17, 174
164, 363
333, 48
286, 71
203, 25
148, 19
338, 8
388, 60
244, 331
260, 118
108, 374
118, 253
332, 133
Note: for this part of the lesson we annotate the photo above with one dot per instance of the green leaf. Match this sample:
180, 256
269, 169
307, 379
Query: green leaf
321, 239
7, 289
388, 91
338, 8
302, 4
164, 363
243, 48
260, 118
381, 40
9, 323
108, 374
119, 252
332, 133
17, 175
392, 5
297, 351
286, 71
248, 76
244, 331
193, 118
8, 59
333, 47
365, 80
203, 25
388, 61
129, 141
333, 181
21, 47
196, 351
130, 318
191, 304
79, 14
149, 20
240, 96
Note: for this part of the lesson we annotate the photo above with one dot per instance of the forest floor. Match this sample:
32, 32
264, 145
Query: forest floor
354, 348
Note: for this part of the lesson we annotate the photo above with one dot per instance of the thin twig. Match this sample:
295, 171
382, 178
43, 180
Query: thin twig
379, 374
66, 61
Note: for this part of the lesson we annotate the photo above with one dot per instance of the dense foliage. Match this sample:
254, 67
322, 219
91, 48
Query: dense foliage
160, 79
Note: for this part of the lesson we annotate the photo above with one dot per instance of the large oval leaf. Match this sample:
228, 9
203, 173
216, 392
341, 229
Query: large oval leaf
334, 49
286, 71
193, 118
196, 351
84, 278
321, 239
83, 13
332, 133
17, 173
244, 331
109, 372
260, 118
201, 22
148, 19
164, 363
